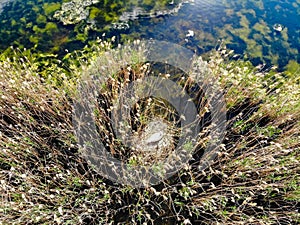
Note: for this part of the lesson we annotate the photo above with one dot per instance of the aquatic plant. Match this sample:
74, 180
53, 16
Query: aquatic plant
242, 26
45, 179
73, 11
74, 20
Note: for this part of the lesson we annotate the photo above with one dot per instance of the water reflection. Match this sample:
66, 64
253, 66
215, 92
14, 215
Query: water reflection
3, 3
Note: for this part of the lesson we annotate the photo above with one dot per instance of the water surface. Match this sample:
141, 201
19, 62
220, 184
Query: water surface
244, 26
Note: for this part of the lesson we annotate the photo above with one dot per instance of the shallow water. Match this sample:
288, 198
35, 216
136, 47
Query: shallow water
244, 26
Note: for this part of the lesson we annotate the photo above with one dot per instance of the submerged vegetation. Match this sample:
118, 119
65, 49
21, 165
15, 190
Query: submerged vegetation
53, 26
45, 180
247, 27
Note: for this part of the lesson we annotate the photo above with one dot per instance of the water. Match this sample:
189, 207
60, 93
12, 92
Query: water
3, 3
201, 25
243, 26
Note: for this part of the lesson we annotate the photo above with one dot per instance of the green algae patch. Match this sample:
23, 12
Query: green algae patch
51, 8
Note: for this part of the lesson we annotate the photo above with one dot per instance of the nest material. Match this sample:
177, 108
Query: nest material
153, 123
155, 142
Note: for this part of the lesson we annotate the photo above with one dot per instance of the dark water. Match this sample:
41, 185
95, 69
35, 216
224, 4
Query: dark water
241, 25
244, 26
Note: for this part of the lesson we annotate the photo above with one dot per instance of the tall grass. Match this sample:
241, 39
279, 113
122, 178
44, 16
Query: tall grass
45, 180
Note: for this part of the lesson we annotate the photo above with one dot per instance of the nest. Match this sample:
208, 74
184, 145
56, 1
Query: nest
154, 123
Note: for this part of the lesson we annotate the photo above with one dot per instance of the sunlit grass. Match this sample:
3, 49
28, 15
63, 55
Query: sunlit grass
44, 179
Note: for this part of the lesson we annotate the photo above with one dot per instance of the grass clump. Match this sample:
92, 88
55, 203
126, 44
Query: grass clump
45, 180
